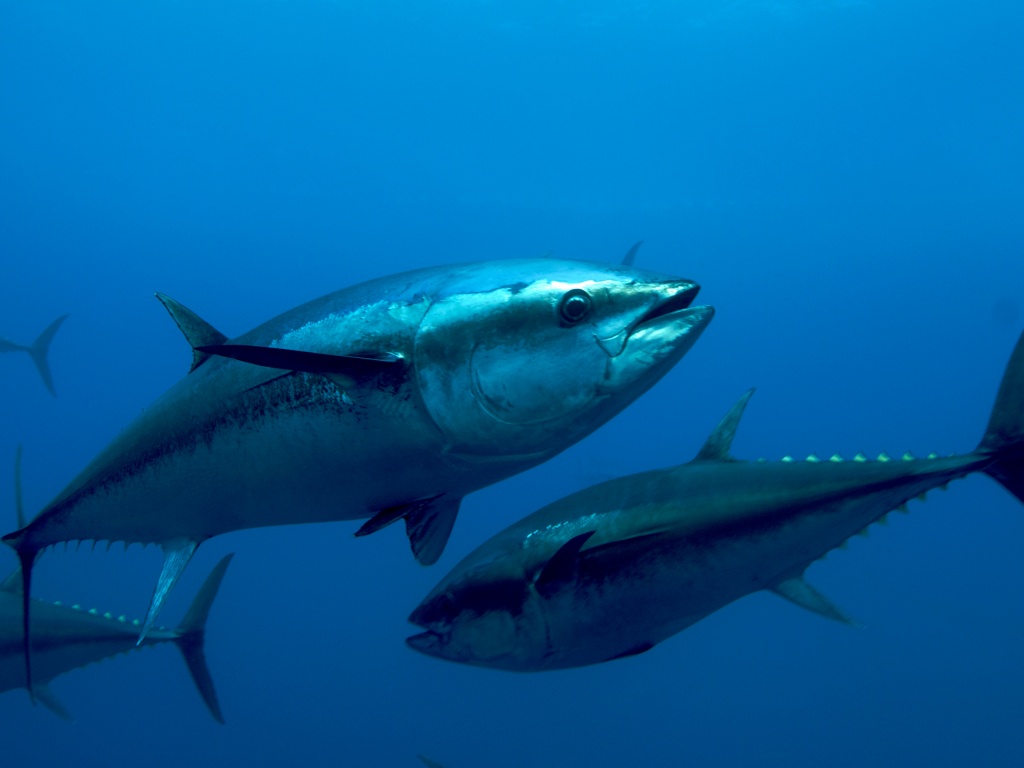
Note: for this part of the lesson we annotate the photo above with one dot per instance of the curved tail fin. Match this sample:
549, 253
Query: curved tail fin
39, 349
1004, 435
192, 633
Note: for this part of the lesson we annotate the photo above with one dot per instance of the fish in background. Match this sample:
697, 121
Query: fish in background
615, 569
38, 350
387, 400
67, 637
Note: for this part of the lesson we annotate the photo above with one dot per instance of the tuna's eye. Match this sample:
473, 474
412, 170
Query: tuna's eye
575, 306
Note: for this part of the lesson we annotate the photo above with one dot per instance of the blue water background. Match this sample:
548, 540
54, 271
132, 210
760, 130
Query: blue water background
846, 181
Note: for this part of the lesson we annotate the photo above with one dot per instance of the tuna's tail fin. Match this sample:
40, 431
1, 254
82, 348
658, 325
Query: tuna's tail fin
192, 633
1004, 436
39, 349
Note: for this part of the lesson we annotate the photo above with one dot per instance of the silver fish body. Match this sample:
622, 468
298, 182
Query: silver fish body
488, 382
391, 399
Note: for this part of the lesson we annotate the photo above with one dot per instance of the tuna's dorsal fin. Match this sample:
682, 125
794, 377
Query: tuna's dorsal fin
428, 762
306, 362
562, 565
428, 523
13, 584
716, 448
45, 695
198, 332
798, 591
177, 553
630, 257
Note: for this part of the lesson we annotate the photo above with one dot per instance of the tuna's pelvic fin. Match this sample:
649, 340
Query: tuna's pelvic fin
177, 553
192, 633
717, 446
798, 591
198, 332
305, 362
562, 565
428, 523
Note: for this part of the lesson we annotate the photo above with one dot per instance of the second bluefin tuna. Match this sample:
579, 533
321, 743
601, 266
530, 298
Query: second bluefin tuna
614, 569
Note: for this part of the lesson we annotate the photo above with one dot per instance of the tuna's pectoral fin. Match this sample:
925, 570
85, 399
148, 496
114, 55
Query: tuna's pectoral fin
198, 332
177, 553
192, 633
798, 591
51, 702
428, 524
306, 362
562, 565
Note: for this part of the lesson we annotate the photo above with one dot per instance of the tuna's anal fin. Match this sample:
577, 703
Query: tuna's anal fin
428, 524
198, 332
192, 633
716, 447
51, 702
306, 362
798, 591
177, 553
562, 565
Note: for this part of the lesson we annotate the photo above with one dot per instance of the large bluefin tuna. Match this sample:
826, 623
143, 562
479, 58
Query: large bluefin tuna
614, 569
392, 399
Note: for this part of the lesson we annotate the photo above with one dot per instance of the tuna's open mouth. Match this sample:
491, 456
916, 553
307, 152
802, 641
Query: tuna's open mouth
679, 295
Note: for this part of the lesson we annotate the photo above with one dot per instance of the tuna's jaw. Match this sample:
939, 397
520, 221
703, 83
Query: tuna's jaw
428, 643
655, 347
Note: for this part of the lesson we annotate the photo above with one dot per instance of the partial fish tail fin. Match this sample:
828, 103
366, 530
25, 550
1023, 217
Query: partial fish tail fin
19, 499
1004, 436
192, 634
39, 349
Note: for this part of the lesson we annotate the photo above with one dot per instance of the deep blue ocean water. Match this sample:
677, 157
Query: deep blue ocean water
846, 181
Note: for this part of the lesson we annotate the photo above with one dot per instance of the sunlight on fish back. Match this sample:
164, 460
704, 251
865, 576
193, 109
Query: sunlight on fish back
391, 399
